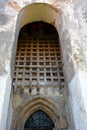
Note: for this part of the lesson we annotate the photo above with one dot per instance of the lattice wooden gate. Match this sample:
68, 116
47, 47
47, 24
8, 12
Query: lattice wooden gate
38, 59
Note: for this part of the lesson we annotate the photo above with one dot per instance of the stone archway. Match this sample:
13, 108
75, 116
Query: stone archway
38, 103
38, 71
39, 120
24, 19
71, 46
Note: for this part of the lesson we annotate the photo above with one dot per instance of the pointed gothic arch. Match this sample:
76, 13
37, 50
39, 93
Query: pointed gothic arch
39, 120
35, 104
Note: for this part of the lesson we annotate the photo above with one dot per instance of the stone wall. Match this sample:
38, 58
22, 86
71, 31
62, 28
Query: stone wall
71, 24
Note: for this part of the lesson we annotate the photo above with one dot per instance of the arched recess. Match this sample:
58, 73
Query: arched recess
39, 103
31, 13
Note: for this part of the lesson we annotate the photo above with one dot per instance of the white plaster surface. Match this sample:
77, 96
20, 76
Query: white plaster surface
5, 89
78, 98
2, 3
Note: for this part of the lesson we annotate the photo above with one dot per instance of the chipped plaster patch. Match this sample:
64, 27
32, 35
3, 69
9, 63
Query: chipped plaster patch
14, 5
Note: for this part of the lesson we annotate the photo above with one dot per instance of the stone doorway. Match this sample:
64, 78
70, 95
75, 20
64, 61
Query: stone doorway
39, 120
38, 76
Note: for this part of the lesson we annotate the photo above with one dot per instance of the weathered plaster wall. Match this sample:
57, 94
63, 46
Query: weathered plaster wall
9, 116
7, 37
80, 78
71, 24
3, 3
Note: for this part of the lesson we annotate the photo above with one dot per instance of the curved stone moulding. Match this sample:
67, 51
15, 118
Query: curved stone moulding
39, 103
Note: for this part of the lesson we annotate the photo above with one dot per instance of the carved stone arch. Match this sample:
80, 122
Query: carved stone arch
39, 103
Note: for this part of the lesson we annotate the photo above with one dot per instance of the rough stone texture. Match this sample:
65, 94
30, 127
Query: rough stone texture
71, 24
26, 105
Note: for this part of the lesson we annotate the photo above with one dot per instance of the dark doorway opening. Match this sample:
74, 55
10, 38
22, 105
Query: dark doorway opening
39, 120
